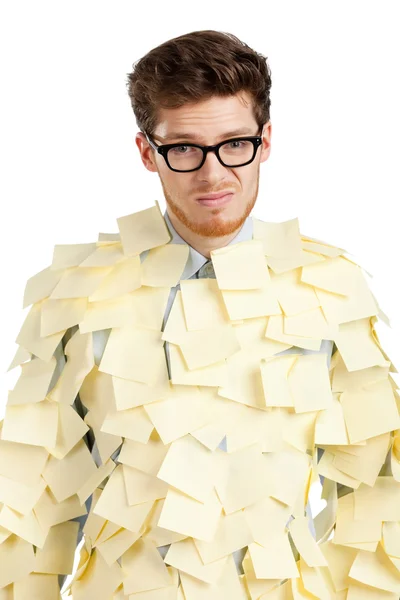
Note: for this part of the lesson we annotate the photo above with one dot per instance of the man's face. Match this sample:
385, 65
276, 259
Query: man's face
208, 122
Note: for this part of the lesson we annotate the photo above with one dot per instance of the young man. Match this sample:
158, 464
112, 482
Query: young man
182, 380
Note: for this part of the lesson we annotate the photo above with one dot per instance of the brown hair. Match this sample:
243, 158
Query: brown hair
194, 67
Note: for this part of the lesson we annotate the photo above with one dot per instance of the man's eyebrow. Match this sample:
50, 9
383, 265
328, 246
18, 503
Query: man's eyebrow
193, 136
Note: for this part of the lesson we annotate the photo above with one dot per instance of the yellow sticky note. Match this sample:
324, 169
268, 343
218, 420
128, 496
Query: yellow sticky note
280, 240
339, 559
309, 383
275, 560
233, 533
377, 405
19, 496
244, 383
360, 303
249, 304
163, 266
189, 467
342, 379
21, 356
266, 517
33, 383
143, 230
25, 526
305, 543
113, 504
65, 477
80, 361
364, 462
274, 374
327, 468
98, 579
78, 282
330, 426
391, 538
358, 591
379, 502
57, 554
242, 478
240, 266
288, 474
133, 353
30, 336
309, 323
275, 331
130, 394
142, 487
211, 375
124, 277
71, 255
350, 529
143, 568
34, 424
337, 275
41, 285
202, 304
145, 457
106, 314
113, 548
58, 315
208, 346
184, 556
17, 560
95, 480
50, 512
228, 585
254, 586
71, 428
104, 256
293, 295
37, 585
183, 514
132, 423
180, 413
22, 462
376, 570
316, 581
357, 347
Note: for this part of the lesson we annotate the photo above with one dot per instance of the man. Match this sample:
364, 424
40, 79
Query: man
195, 348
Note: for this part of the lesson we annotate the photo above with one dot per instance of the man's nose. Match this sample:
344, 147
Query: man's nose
212, 168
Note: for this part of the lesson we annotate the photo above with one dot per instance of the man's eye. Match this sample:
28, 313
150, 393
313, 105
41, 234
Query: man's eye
179, 149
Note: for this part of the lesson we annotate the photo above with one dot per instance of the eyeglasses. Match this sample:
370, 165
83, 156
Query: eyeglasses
183, 158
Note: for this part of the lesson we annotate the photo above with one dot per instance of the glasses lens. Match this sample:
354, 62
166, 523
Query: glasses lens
184, 158
236, 152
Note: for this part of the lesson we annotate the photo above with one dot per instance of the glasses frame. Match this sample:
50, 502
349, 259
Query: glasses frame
163, 150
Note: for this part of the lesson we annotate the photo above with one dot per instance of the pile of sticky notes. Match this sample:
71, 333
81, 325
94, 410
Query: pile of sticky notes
230, 381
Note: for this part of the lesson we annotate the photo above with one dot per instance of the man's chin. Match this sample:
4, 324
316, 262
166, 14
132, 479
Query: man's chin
216, 225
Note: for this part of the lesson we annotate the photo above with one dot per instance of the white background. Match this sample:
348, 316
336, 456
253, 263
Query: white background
70, 167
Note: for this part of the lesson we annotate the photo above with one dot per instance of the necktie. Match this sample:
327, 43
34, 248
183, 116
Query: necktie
206, 271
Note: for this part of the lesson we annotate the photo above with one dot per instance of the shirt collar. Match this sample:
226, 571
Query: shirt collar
196, 260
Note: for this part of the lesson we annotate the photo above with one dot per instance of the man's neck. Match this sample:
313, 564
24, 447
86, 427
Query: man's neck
202, 244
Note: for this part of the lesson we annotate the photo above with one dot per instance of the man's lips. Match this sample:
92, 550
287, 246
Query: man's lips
215, 195
216, 200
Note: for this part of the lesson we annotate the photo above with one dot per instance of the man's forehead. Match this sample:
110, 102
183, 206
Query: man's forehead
216, 117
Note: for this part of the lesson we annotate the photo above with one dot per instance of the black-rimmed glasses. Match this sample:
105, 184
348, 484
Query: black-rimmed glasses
183, 158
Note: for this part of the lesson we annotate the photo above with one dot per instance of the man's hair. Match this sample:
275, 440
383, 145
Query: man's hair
194, 67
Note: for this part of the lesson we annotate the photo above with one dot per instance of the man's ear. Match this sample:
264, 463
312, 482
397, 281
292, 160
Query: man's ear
147, 154
266, 141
